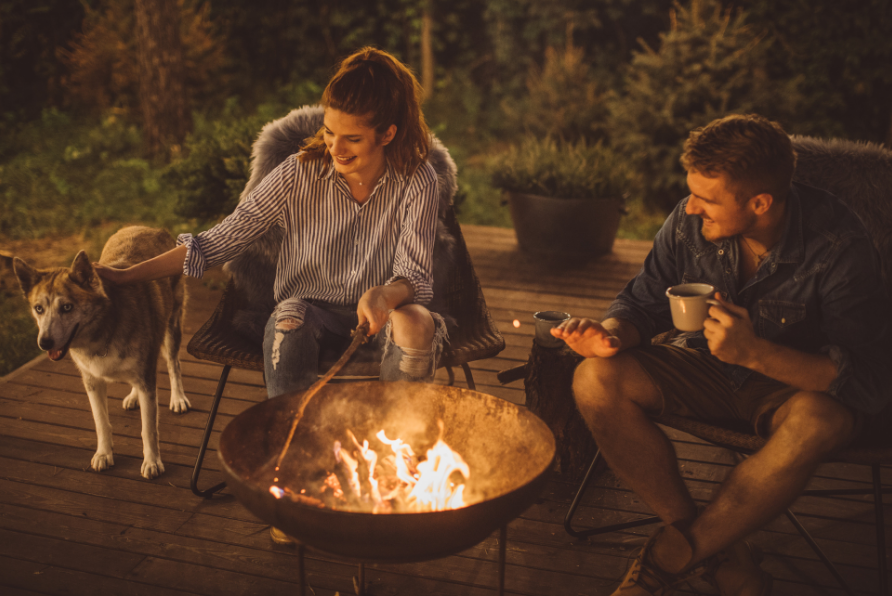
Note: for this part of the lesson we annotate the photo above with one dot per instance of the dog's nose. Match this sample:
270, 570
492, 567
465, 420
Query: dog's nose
46, 343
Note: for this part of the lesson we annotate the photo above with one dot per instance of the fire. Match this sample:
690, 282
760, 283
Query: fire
396, 482
516, 324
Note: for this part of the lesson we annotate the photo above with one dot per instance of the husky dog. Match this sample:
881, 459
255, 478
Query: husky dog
114, 332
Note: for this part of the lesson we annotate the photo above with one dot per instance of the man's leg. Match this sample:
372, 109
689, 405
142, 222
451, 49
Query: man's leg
615, 396
804, 431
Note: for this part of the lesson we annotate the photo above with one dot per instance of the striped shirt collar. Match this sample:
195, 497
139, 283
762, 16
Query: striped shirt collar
328, 172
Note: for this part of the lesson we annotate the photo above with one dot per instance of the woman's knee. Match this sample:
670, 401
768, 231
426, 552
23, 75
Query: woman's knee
412, 326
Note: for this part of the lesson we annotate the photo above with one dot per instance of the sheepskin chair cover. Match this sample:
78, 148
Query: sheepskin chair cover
254, 271
860, 174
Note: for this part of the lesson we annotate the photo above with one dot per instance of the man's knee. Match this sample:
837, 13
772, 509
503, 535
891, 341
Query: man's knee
818, 421
601, 385
596, 385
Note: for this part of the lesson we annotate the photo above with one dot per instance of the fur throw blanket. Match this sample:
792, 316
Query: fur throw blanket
253, 272
860, 174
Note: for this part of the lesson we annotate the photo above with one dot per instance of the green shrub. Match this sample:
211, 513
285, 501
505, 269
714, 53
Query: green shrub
710, 64
59, 175
559, 169
562, 100
217, 162
19, 343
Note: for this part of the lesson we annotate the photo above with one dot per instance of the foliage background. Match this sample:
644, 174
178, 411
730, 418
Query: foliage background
630, 76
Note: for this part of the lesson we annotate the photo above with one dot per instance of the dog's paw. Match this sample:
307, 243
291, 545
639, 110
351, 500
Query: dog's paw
179, 404
131, 402
152, 469
102, 461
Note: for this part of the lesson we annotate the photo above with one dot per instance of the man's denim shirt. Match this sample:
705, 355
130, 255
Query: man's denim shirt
819, 291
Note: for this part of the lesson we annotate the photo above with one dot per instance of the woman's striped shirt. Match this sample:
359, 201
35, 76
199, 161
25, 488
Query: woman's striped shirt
334, 249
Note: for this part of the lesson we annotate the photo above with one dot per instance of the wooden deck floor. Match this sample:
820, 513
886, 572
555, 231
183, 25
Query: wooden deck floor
65, 529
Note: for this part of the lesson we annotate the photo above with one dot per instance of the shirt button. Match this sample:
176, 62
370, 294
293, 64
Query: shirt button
783, 320
721, 252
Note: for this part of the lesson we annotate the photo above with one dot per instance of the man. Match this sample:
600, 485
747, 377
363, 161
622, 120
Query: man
798, 350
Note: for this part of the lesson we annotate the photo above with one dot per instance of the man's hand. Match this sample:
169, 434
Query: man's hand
730, 334
374, 308
588, 338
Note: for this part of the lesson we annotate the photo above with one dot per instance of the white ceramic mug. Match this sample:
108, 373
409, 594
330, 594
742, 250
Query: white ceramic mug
545, 321
690, 305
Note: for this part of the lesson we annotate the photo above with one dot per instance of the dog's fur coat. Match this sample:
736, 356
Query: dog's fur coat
114, 332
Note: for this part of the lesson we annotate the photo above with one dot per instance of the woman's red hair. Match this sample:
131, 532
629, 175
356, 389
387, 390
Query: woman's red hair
374, 85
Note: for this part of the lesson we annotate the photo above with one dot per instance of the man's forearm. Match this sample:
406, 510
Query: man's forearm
626, 332
809, 372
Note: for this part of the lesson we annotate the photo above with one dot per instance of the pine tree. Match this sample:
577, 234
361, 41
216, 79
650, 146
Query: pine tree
711, 63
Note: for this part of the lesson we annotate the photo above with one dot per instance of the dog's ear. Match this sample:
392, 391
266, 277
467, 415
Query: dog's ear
27, 275
82, 271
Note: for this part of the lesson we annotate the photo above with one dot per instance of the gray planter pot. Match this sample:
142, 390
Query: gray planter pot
551, 226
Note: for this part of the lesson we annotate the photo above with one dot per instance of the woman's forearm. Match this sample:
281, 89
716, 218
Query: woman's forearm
164, 265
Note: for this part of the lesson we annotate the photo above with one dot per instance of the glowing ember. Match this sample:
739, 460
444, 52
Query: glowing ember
516, 324
397, 482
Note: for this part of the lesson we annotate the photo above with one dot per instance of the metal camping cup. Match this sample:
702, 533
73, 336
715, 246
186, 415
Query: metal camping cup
690, 305
545, 321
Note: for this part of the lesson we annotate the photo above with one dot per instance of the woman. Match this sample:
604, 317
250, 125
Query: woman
358, 206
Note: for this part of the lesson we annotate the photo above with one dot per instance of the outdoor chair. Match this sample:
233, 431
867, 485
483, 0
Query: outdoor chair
233, 334
861, 175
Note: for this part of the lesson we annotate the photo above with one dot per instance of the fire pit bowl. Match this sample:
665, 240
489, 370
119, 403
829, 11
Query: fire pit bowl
508, 449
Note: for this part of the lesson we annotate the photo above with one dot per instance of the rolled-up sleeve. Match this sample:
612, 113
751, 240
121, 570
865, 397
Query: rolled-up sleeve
257, 213
413, 260
856, 325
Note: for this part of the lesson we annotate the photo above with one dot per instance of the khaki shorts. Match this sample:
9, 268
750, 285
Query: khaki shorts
693, 385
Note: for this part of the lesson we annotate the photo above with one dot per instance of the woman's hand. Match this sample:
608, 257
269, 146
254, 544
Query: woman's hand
373, 307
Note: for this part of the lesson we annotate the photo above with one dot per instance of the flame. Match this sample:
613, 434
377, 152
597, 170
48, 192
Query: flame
400, 482
430, 486
516, 324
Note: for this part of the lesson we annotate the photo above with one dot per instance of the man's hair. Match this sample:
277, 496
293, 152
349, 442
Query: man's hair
753, 152
373, 85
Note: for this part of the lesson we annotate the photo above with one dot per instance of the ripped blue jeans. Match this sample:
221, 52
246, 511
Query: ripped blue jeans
299, 330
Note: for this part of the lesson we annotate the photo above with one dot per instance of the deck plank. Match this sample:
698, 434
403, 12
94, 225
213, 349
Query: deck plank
65, 529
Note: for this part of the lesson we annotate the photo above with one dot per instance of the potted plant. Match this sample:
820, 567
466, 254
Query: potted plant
566, 199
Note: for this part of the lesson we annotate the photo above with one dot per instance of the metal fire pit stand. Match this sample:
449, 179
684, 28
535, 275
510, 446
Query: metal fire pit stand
359, 583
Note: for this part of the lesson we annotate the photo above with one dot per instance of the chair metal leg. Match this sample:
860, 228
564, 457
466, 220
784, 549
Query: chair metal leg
208, 493
468, 376
814, 546
568, 520
881, 529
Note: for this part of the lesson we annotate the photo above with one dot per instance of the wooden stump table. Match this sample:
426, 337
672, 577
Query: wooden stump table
549, 395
